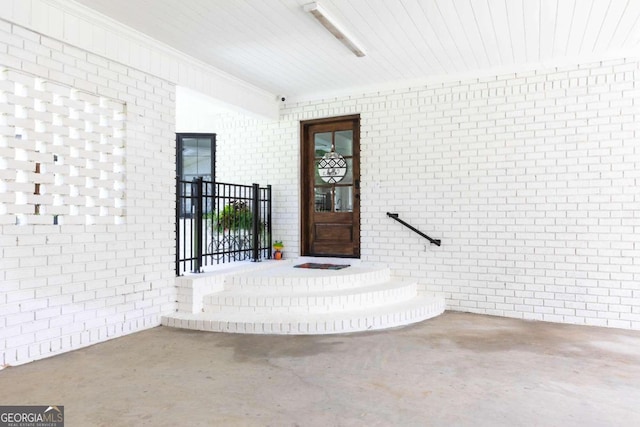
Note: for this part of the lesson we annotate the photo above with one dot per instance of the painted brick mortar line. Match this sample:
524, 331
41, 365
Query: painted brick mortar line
73, 285
530, 179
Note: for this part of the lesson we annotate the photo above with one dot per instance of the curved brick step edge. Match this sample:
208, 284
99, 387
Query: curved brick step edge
233, 301
416, 310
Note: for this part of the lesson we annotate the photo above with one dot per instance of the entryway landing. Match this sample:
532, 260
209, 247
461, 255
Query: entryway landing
275, 297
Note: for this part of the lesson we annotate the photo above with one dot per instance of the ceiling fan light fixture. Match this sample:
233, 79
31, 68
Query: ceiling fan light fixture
327, 21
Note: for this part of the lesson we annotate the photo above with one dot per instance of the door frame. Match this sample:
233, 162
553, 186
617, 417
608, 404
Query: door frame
305, 187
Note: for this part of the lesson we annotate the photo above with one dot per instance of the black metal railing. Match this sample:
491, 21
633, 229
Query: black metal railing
218, 223
412, 228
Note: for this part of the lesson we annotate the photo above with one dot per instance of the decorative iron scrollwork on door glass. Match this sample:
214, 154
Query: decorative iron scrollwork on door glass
332, 168
333, 171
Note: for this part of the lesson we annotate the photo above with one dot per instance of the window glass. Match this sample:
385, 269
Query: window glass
348, 178
322, 199
322, 143
344, 142
343, 199
196, 158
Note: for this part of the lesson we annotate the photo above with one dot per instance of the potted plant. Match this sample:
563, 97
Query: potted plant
234, 216
277, 247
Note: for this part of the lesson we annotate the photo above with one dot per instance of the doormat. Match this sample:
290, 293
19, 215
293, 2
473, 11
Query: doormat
318, 266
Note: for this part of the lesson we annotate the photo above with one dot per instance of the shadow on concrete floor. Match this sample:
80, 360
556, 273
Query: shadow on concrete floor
458, 369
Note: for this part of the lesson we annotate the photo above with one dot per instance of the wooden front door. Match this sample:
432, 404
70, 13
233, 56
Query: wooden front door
331, 187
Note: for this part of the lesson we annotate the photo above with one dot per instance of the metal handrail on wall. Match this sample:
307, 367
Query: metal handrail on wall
412, 228
219, 223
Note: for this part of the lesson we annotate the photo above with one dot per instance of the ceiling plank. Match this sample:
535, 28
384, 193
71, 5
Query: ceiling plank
578, 27
531, 25
469, 23
597, 18
500, 24
459, 30
610, 25
417, 46
486, 27
278, 47
629, 20
515, 12
564, 19
548, 26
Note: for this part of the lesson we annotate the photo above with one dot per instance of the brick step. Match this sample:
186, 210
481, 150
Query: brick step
285, 278
249, 301
415, 310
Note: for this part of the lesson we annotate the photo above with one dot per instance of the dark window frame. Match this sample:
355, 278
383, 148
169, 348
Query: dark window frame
183, 205
180, 137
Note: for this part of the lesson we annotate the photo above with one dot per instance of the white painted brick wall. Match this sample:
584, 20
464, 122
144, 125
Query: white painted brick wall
531, 180
270, 156
74, 27
81, 282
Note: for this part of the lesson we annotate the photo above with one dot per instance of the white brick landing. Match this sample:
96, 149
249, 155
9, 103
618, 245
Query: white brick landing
273, 297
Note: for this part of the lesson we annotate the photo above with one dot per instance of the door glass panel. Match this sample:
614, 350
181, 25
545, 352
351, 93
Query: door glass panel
317, 179
348, 178
322, 143
322, 199
344, 142
344, 199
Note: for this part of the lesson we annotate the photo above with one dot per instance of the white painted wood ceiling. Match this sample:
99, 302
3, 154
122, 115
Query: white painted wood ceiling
278, 47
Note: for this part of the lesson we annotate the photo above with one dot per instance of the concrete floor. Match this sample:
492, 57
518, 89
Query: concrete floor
455, 370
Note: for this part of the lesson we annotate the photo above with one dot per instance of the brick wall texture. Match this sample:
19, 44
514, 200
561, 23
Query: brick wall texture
87, 164
530, 179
